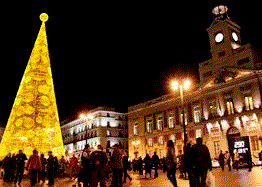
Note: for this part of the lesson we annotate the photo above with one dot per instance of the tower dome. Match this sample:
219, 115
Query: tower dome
220, 12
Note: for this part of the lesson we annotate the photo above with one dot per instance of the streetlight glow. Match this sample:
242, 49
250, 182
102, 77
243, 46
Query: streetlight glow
187, 84
175, 85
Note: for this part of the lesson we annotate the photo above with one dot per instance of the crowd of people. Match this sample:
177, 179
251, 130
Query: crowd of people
91, 168
38, 167
193, 164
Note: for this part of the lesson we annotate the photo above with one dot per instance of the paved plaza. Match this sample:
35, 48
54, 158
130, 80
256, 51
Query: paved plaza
241, 178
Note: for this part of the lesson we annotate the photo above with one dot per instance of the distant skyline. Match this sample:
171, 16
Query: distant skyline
118, 56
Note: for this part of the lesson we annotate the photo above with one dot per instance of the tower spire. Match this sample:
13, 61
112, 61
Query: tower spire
33, 122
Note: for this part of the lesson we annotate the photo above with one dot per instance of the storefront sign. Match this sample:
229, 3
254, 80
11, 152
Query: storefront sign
240, 146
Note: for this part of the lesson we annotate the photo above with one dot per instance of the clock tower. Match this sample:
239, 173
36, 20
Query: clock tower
224, 34
226, 48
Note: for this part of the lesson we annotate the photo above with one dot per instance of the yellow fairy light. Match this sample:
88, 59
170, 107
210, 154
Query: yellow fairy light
33, 122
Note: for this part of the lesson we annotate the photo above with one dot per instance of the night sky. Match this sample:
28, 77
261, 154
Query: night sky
114, 55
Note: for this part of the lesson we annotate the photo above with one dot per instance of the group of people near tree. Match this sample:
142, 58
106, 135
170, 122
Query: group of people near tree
39, 168
90, 169
96, 167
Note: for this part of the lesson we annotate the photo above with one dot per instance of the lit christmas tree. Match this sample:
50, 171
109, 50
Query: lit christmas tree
33, 122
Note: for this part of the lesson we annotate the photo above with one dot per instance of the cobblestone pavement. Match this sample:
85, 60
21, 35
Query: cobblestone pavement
241, 178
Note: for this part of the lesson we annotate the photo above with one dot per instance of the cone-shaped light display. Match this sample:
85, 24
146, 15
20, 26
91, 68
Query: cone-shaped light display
33, 122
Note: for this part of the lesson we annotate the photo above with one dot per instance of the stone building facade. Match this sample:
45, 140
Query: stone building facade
224, 108
102, 126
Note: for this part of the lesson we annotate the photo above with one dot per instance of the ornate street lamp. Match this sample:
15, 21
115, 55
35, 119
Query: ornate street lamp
182, 85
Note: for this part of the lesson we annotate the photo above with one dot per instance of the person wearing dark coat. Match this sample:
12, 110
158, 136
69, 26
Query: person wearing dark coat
140, 165
155, 163
148, 165
85, 173
171, 163
20, 166
50, 169
13, 168
201, 162
117, 166
188, 164
126, 165
42, 173
7, 168
221, 160
98, 161
248, 159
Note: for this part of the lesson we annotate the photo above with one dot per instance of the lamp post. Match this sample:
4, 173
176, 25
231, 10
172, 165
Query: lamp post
182, 85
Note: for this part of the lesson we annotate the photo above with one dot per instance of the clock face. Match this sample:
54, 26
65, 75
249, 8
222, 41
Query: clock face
219, 37
234, 36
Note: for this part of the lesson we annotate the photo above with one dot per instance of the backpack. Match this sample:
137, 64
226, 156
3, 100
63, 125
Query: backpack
97, 158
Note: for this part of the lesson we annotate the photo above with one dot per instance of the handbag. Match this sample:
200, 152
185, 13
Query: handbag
210, 179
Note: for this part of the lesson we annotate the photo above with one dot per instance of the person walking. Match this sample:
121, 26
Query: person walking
188, 164
7, 168
33, 166
62, 166
171, 163
98, 161
248, 159
50, 169
155, 163
140, 165
126, 167
42, 173
20, 167
201, 161
85, 174
236, 159
73, 164
148, 165
117, 166
13, 168
221, 160
228, 160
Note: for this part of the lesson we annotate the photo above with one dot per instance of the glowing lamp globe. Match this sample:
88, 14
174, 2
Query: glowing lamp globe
44, 17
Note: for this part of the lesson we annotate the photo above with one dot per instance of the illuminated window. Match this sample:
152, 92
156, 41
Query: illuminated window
149, 126
213, 107
249, 105
198, 133
172, 137
161, 140
197, 114
181, 118
171, 122
254, 143
136, 129
150, 142
230, 107
171, 119
216, 148
108, 133
160, 124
